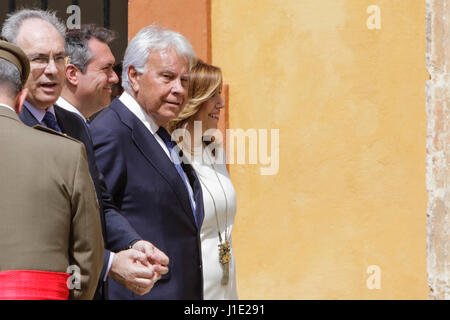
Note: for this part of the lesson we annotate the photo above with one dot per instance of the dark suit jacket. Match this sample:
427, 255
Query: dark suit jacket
151, 195
117, 232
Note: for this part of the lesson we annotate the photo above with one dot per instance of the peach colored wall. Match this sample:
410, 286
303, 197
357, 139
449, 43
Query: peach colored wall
350, 106
189, 17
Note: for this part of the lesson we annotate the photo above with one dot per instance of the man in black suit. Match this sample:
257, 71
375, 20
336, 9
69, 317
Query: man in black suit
41, 36
160, 198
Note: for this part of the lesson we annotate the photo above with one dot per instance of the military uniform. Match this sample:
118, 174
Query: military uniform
49, 214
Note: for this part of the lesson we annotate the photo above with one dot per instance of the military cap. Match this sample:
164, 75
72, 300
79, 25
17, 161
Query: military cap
12, 53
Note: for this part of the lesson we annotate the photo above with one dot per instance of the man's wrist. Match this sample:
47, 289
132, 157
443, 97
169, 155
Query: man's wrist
111, 258
132, 243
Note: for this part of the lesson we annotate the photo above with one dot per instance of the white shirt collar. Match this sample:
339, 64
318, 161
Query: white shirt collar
130, 102
8, 107
63, 103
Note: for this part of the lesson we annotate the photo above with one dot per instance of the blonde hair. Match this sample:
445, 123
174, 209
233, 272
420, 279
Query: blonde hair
205, 80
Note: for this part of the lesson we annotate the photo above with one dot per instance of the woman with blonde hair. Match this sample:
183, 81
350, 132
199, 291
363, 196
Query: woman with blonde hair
195, 129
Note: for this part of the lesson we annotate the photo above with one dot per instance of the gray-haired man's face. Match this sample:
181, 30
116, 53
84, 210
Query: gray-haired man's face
44, 46
162, 90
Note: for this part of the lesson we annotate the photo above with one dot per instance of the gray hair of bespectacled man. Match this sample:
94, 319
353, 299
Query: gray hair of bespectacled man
14, 21
149, 39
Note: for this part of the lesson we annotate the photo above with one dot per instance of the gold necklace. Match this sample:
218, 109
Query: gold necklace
224, 246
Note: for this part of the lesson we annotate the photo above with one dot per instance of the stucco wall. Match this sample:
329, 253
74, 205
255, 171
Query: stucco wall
438, 151
191, 18
349, 104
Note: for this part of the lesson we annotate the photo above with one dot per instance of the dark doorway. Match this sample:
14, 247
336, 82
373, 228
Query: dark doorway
112, 14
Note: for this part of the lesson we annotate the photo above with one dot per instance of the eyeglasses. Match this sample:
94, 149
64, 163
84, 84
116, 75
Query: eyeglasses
42, 61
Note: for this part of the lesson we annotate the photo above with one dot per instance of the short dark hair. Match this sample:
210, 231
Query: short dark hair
77, 43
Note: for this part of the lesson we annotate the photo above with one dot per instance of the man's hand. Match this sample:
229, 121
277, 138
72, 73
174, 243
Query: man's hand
155, 256
131, 269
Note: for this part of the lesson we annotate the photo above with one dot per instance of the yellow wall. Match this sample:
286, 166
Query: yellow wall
350, 105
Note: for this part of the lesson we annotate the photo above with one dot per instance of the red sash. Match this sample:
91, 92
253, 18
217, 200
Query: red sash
33, 285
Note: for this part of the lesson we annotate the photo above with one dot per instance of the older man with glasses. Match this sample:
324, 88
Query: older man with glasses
40, 35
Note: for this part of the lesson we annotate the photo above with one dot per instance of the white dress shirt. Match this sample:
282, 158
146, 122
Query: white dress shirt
63, 103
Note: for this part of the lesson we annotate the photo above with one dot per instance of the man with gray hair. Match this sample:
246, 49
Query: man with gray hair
41, 35
161, 198
49, 221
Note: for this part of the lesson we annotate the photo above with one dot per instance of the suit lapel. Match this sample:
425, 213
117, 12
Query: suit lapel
65, 123
154, 154
27, 117
198, 195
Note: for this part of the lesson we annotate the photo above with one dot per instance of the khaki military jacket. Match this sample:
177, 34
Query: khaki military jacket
49, 214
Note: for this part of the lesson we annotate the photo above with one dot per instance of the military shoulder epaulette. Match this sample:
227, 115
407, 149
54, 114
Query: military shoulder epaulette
48, 130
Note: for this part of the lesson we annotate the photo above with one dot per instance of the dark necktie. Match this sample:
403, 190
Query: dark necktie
176, 161
50, 121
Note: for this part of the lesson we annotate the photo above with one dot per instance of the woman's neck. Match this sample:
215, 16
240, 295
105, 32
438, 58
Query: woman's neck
196, 140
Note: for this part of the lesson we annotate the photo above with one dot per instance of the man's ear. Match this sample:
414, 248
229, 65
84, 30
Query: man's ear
20, 99
133, 77
72, 73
